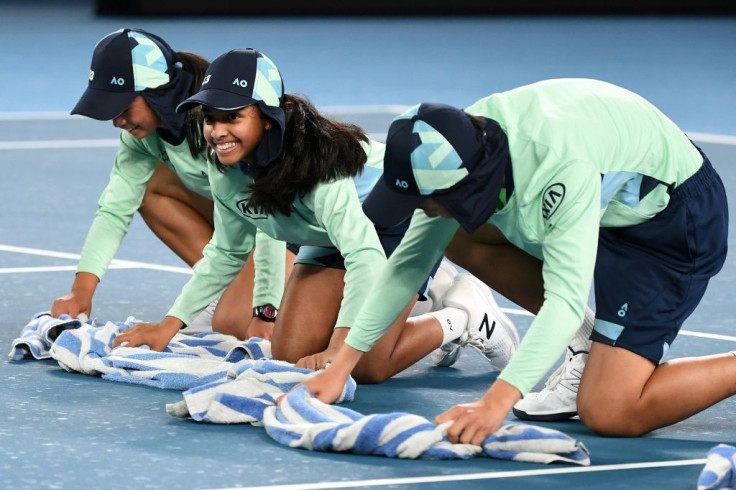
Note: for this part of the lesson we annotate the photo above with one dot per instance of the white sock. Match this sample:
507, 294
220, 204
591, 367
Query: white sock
581, 341
421, 307
453, 322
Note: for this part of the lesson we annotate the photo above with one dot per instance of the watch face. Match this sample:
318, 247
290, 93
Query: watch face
265, 312
269, 311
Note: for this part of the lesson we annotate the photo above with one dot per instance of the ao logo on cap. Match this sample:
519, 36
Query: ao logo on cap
206, 79
241, 83
91, 75
401, 183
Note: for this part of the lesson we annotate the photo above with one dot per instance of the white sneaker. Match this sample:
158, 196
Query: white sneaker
203, 321
558, 399
447, 354
489, 330
441, 282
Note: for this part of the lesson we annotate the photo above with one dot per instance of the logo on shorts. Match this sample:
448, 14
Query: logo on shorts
551, 199
248, 212
622, 311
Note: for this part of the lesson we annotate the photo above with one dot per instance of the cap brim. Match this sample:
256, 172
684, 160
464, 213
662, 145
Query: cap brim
103, 105
387, 208
217, 99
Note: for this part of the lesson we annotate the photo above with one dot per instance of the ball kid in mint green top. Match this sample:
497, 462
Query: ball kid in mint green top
578, 150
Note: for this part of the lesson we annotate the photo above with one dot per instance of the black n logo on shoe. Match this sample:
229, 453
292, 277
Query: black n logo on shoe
488, 327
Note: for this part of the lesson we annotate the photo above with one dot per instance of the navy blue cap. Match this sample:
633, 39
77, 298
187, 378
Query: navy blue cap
124, 63
241, 78
429, 148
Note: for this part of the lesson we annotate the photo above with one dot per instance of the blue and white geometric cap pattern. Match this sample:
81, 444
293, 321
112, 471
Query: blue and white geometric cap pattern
124, 64
435, 163
149, 63
268, 85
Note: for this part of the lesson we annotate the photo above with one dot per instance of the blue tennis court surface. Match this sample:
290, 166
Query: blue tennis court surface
68, 430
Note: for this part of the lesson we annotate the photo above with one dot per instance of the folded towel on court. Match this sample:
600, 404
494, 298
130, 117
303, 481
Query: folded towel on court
719, 468
250, 388
302, 421
186, 362
40, 333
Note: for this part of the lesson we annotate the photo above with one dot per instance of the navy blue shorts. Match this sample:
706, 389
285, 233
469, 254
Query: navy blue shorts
650, 277
331, 257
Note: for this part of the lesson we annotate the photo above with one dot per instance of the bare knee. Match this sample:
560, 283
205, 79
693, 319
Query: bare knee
229, 326
610, 421
370, 374
148, 204
280, 352
292, 350
157, 193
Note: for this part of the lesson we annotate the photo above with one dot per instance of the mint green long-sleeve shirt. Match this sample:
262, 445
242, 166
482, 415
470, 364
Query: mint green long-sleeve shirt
330, 215
135, 162
585, 140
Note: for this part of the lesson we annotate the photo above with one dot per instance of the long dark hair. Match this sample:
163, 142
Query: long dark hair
316, 149
479, 122
196, 66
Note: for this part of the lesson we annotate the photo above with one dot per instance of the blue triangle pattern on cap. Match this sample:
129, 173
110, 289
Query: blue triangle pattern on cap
435, 163
366, 180
150, 69
268, 86
409, 113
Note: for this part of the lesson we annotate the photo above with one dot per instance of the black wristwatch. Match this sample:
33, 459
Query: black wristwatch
266, 312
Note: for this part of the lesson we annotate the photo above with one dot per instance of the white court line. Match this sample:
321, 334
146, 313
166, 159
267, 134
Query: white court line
361, 110
130, 264
66, 268
347, 110
59, 144
473, 476
113, 142
115, 264
712, 336
25, 270
37, 116
721, 139
689, 333
100, 143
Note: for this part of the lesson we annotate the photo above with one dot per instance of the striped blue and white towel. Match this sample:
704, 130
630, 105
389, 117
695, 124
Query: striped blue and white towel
186, 362
718, 471
252, 386
302, 421
228, 381
40, 333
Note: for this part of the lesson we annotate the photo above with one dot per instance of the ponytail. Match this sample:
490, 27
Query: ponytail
196, 66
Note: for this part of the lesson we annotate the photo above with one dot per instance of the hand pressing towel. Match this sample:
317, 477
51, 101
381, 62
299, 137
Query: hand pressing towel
305, 422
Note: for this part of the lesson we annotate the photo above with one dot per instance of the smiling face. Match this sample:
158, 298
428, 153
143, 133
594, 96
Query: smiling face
234, 135
138, 119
